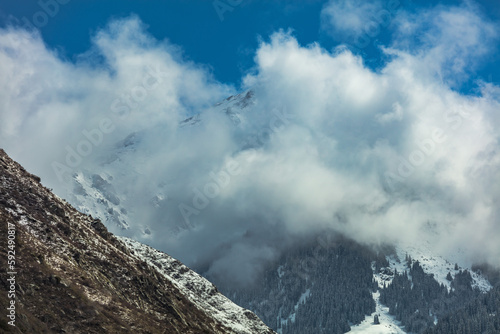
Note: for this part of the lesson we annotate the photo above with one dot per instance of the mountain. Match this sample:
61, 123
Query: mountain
329, 284
65, 273
336, 285
110, 190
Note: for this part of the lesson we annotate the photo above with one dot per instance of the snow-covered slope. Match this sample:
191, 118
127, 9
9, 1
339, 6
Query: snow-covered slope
199, 291
388, 324
431, 264
93, 194
119, 174
233, 107
302, 288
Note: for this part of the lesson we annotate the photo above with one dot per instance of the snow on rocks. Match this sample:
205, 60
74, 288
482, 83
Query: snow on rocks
199, 290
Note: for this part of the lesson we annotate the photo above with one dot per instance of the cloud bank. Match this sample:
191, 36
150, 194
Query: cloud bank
327, 144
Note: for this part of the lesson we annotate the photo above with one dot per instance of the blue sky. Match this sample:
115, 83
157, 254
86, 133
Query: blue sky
227, 46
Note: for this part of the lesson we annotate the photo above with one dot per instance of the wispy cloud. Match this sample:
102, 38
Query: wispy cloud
349, 18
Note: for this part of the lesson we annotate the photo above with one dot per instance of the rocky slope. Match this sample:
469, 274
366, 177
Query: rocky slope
73, 276
198, 290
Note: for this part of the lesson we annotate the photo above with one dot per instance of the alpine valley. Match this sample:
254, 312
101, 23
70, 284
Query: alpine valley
325, 283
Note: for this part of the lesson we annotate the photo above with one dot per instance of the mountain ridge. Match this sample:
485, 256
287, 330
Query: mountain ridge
237, 111
73, 276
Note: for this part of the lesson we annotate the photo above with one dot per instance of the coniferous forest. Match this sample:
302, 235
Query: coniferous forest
419, 301
321, 289
328, 289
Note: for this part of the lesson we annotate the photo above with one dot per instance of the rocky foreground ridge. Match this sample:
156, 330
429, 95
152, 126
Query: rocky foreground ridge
72, 276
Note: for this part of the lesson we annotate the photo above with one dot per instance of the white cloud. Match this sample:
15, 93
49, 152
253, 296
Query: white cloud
451, 42
379, 156
137, 83
346, 19
395, 115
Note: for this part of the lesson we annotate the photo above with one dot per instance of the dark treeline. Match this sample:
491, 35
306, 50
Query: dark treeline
482, 315
419, 301
337, 277
327, 288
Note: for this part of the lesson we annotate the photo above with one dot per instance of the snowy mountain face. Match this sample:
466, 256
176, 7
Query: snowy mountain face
339, 286
105, 191
68, 274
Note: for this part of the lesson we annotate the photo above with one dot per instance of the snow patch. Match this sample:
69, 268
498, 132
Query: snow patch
388, 324
436, 265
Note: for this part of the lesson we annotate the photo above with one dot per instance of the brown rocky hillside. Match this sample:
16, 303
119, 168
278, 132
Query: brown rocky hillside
73, 276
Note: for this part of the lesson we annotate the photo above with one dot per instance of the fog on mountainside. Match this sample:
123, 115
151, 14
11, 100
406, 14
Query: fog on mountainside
322, 142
